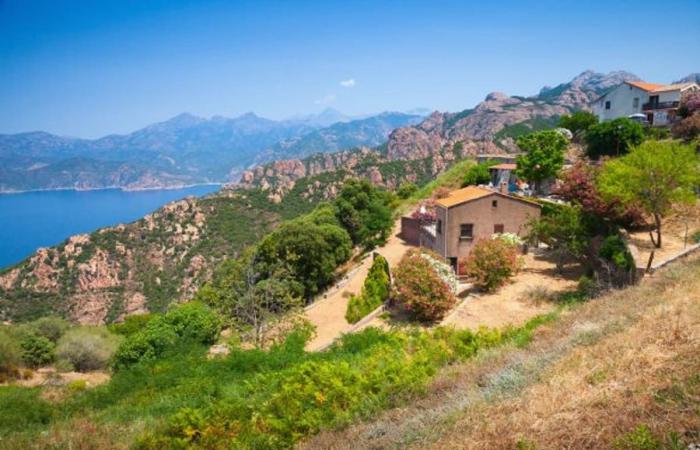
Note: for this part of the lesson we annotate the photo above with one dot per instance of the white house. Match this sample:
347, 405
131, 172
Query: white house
657, 102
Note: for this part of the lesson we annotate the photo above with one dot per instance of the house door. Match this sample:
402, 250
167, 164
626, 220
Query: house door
650, 118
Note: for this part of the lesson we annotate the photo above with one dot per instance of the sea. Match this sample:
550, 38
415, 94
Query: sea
31, 220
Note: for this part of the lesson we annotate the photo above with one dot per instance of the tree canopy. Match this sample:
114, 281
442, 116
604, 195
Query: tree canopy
578, 123
544, 155
613, 138
654, 175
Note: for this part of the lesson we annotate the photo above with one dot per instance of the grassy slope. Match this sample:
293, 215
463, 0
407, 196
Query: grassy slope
603, 369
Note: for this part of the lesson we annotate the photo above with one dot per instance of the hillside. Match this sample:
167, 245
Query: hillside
500, 117
620, 371
183, 150
166, 256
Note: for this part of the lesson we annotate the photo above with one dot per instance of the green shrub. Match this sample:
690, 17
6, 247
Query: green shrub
375, 291
491, 263
406, 190
195, 321
10, 352
50, 327
87, 348
131, 324
37, 351
641, 438
478, 174
77, 385
145, 345
420, 290
587, 287
22, 408
615, 250
613, 137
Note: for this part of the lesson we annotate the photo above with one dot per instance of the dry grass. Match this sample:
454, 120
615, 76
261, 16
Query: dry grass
631, 357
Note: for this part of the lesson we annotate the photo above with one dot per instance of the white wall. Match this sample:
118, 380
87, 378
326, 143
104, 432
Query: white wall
622, 102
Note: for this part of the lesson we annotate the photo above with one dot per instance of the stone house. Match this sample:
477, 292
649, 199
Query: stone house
473, 213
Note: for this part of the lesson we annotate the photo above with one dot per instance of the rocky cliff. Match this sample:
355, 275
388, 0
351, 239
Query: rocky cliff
500, 117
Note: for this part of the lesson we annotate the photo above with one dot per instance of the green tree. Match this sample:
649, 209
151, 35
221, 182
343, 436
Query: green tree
563, 230
478, 174
252, 298
365, 212
578, 123
406, 190
613, 138
654, 175
543, 158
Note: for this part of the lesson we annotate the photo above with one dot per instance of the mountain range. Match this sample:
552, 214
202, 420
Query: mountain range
183, 150
164, 257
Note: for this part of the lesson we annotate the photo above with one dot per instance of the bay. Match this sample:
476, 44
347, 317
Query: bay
31, 220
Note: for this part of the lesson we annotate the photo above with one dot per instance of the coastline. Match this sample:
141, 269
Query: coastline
108, 188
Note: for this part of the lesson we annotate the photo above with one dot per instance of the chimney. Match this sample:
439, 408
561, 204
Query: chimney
503, 188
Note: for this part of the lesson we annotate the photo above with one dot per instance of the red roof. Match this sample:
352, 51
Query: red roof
645, 86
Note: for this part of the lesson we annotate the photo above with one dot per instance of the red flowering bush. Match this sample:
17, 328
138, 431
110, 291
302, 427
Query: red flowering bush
491, 263
426, 213
419, 289
577, 185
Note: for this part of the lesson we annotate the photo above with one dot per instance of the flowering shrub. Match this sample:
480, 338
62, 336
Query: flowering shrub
577, 185
426, 213
491, 263
509, 238
420, 289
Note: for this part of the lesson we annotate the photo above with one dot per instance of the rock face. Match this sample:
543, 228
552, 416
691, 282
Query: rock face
490, 119
142, 266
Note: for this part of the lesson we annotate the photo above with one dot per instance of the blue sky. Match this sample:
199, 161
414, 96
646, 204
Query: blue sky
89, 68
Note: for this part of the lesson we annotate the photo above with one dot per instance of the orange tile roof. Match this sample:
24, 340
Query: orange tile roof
673, 87
463, 195
645, 86
505, 166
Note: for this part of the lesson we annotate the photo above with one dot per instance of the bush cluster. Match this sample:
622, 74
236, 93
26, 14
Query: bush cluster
375, 291
361, 374
191, 322
420, 290
491, 263
86, 348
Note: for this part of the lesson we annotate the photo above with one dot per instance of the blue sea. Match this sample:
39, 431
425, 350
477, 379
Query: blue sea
41, 219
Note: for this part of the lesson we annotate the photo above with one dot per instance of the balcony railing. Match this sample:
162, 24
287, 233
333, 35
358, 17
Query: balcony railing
659, 105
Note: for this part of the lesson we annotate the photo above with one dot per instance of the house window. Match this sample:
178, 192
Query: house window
494, 203
635, 103
498, 228
607, 105
438, 227
466, 231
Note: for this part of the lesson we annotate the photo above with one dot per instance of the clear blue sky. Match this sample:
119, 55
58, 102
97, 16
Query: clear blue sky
89, 68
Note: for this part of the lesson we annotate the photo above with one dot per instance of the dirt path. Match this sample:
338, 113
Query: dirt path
328, 314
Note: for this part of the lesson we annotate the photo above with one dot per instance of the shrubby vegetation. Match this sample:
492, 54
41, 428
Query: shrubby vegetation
478, 174
613, 137
655, 175
578, 123
564, 230
420, 290
189, 323
543, 158
87, 348
491, 263
375, 291
365, 212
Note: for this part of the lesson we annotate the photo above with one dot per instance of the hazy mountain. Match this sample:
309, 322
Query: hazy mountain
368, 132
185, 149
